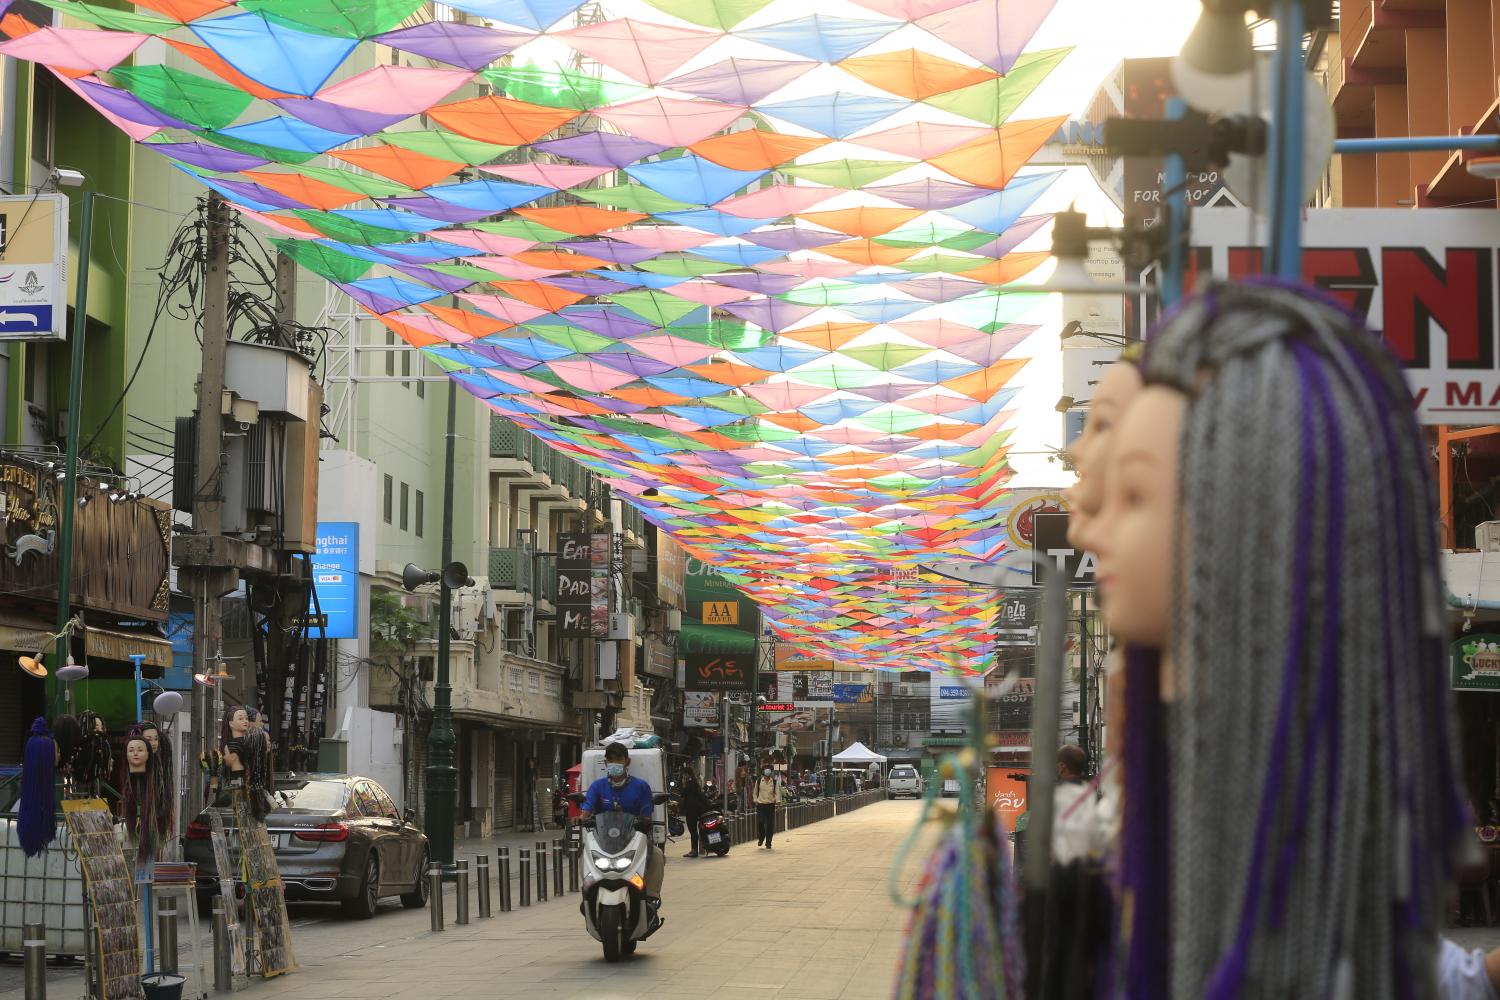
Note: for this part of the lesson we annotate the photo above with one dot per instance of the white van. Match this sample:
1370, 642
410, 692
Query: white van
903, 779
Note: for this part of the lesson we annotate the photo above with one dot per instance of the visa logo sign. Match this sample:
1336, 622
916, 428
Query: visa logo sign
330, 577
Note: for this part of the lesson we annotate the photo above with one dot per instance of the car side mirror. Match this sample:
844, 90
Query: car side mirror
659, 798
409, 816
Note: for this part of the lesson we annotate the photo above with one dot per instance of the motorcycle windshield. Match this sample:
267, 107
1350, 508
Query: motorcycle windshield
613, 831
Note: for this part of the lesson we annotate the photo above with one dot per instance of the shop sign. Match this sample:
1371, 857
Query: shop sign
33, 266
671, 568
335, 569
700, 710
583, 584
1020, 525
717, 672
721, 612
1476, 663
1052, 544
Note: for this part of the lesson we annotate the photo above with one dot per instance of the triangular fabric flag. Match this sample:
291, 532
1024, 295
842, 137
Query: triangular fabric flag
992, 102
669, 121
559, 88
415, 170
849, 174
996, 212
922, 140
913, 74
755, 149
777, 201
720, 14
740, 81
539, 15
74, 48
274, 53
203, 102
693, 179
993, 160
992, 31
821, 37
347, 18
863, 221
647, 53
470, 46
837, 115
403, 90
499, 120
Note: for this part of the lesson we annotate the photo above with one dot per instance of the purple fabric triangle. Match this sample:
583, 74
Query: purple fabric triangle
992, 347
740, 81
938, 288
606, 323
493, 347
614, 251
468, 45
764, 284
771, 314
635, 364
336, 117
930, 195
890, 393
372, 300
586, 285
129, 107
614, 405
206, 157
1014, 236
436, 208
600, 148
447, 282
793, 238
264, 195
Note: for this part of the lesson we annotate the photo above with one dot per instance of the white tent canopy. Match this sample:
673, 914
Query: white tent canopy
858, 753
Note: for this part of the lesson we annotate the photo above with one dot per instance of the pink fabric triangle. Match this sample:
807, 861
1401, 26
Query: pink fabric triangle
812, 268
922, 140
396, 90
489, 242
664, 238
74, 48
136, 130
910, 10
436, 327
709, 294
667, 420
511, 310
938, 404
511, 268
554, 175
786, 396
777, 201
275, 224
672, 350
938, 332
589, 375
669, 121
523, 382
992, 31
647, 53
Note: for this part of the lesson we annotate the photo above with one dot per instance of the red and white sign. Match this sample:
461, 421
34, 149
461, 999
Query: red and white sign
1426, 281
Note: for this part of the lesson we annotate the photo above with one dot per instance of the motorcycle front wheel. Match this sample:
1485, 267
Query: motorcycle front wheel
612, 932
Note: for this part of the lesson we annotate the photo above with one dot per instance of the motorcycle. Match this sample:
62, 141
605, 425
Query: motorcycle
713, 833
616, 847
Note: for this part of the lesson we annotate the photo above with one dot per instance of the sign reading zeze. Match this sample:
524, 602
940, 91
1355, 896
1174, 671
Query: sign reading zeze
1425, 281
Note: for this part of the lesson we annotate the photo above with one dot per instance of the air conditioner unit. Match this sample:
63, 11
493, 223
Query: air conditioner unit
1487, 536
622, 626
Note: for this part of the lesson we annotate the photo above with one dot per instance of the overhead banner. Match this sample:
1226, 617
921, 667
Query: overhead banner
583, 584
335, 567
1476, 663
1425, 281
700, 710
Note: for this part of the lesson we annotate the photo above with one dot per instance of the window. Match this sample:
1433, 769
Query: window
516, 683
533, 682
419, 503
421, 386
405, 366
553, 686
390, 487
390, 352
405, 495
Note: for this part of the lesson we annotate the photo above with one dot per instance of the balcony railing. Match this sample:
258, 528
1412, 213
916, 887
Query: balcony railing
509, 441
511, 569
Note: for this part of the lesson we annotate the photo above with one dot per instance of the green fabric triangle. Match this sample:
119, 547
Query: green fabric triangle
826, 293
720, 14
462, 271
728, 335
966, 242
850, 174
444, 145
993, 309
757, 432
655, 307
941, 263
981, 455
365, 184
994, 101
116, 20
925, 234
885, 356
573, 338
685, 267
559, 88
731, 403
276, 153
347, 230
837, 376
523, 229
895, 421
344, 18
323, 260
195, 99
635, 197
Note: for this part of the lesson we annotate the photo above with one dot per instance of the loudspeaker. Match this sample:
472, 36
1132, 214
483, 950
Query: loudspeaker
414, 576
456, 576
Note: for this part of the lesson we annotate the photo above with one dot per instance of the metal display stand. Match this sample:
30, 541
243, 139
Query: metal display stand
178, 882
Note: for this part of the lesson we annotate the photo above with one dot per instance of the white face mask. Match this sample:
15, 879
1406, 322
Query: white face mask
766, 772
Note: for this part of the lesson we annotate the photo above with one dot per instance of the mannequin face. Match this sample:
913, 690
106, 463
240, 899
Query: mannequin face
99, 726
1132, 533
137, 752
239, 722
1088, 453
150, 736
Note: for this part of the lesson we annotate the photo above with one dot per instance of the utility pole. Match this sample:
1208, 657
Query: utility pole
75, 415
441, 776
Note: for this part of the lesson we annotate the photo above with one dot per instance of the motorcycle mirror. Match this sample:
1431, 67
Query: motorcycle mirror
659, 798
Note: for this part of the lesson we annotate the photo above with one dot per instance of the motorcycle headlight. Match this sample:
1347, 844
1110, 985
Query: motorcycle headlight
603, 862
623, 863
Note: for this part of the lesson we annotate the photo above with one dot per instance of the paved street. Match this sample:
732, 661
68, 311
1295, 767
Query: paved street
811, 919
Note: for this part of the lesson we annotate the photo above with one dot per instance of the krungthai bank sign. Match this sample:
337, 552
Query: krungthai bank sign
1425, 280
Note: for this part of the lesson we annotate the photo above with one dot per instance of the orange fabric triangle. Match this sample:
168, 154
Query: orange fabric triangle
791, 421
987, 381
1008, 268
214, 63
185, 10
577, 405
16, 26
501, 120
853, 458
473, 323
827, 336
753, 149
308, 190
558, 260
415, 170
537, 294
649, 396
866, 252
866, 221
941, 432
729, 373
580, 220
993, 160
915, 75
410, 334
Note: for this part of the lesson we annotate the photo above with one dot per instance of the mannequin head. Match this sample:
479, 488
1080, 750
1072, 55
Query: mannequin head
94, 761
236, 723
152, 736
137, 753
1089, 451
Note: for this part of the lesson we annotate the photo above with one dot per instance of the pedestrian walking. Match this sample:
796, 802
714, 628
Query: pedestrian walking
766, 797
694, 804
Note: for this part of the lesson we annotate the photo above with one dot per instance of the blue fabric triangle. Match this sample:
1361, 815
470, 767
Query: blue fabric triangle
496, 196
273, 53
995, 213
535, 14
837, 115
693, 179
285, 132
710, 220
821, 37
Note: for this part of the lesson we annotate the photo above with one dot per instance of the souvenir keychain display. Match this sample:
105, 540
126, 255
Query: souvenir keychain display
110, 889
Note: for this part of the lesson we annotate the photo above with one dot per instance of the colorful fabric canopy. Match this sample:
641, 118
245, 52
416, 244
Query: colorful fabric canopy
752, 265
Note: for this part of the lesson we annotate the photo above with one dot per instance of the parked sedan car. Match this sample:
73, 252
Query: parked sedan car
903, 779
337, 837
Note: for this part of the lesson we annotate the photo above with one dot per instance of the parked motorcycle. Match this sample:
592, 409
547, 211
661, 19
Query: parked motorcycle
713, 833
616, 846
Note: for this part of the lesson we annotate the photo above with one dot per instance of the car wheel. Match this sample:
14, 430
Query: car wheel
367, 898
417, 898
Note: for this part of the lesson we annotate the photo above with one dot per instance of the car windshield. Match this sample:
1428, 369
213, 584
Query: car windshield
613, 830
311, 795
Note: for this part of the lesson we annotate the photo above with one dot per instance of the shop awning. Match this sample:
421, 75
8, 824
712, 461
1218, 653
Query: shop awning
24, 634
110, 645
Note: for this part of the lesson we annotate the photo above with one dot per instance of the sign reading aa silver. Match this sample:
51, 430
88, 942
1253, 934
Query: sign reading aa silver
33, 267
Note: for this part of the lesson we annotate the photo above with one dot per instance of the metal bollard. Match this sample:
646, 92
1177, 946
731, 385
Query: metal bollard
504, 881
558, 848
541, 871
166, 933
573, 862
482, 866
435, 892
525, 877
223, 969
461, 913
34, 940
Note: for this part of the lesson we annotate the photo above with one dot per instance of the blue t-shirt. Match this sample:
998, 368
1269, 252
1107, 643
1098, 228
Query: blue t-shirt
633, 797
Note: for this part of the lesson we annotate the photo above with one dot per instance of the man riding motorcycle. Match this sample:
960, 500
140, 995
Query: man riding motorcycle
618, 791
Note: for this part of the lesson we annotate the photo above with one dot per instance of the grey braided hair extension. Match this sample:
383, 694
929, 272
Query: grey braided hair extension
1314, 796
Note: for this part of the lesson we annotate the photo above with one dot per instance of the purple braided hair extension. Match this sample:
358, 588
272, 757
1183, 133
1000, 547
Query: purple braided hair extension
36, 821
1146, 831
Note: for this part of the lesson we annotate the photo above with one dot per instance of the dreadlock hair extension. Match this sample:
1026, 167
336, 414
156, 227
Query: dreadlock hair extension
138, 799
1314, 794
255, 758
163, 791
69, 736
1144, 835
93, 764
36, 822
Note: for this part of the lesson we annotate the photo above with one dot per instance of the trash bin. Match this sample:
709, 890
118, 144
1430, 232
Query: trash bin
162, 986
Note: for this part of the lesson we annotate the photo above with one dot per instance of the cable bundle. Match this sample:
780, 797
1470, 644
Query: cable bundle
1314, 801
